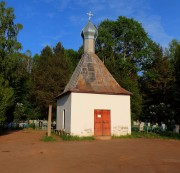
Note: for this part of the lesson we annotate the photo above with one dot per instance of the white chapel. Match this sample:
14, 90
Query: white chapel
93, 103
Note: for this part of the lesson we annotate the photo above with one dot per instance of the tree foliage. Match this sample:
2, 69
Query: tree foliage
173, 53
9, 58
50, 74
6, 98
177, 83
29, 84
156, 86
125, 47
73, 58
124, 38
8, 31
171, 50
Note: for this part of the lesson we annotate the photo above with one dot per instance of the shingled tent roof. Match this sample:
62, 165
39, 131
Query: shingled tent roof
91, 76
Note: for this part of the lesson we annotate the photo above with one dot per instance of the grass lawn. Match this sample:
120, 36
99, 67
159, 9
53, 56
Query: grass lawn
48, 139
162, 135
76, 138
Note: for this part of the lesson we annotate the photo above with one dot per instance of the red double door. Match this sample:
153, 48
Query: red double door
102, 125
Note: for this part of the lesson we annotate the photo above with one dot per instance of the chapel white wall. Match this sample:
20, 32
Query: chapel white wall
82, 113
64, 103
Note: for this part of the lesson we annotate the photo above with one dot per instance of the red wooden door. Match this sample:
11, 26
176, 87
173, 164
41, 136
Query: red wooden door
102, 123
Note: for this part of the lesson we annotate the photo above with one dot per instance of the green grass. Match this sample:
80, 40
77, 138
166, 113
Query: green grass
170, 135
76, 138
48, 139
68, 137
162, 135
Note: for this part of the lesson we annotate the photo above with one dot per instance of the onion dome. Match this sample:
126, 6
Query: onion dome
89, 31
89, 35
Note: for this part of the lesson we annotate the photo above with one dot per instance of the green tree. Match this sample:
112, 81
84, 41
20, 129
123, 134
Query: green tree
50, 74
157, 87
6, 98
124, 47
73, 58
177, 83
8, 33
9, 58
124, 38
170, 51
173, 54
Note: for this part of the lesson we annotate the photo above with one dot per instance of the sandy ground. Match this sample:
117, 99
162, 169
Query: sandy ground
23, 152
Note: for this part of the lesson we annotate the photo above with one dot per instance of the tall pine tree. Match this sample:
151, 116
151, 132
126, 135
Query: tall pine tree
156, 87
50, 74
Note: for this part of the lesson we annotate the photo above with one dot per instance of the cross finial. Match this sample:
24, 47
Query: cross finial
90, 15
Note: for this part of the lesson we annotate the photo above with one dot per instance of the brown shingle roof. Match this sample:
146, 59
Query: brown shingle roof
91, 76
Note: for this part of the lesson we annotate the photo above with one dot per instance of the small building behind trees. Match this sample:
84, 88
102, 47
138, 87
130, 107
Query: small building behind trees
93, 103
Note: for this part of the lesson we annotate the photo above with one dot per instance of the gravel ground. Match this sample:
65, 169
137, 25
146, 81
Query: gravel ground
23, 152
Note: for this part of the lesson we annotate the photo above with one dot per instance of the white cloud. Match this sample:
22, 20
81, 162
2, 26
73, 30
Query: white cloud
140, 10
153, 25
155, 29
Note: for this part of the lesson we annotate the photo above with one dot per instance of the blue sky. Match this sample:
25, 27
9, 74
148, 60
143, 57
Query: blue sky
46, 22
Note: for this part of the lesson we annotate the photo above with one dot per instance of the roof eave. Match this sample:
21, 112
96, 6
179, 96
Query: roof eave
93, 92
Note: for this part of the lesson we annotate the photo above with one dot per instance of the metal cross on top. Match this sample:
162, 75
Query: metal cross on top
90, 15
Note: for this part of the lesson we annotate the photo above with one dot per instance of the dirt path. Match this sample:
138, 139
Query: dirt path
23, 152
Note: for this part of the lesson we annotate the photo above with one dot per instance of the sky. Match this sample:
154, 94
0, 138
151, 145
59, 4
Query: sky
47, 22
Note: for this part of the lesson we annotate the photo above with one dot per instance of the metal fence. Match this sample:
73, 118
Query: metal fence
35, 124
157, 128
